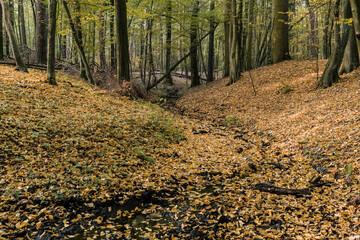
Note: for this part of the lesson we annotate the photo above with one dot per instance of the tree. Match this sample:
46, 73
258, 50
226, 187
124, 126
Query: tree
80, 48
211, 44
11, 36
195, 79
51, 43
280, 38
355, 8
236, 36
331, 72
168, 42
1, 35
41, 32
313, 43
249, 40
122, 42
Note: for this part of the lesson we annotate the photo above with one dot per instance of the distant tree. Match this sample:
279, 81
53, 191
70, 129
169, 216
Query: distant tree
211, 43
51, 43
11, 35
168, 42
21, 21
313, 41
122, 42
280, 37
236, 39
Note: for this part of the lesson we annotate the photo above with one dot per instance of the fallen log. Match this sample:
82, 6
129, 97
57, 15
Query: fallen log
267, 187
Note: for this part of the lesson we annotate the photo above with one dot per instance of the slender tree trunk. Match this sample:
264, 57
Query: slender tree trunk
327, 32
280, 39
355, 8
79, 32
122, 42
1, 35
112, 39
227, 39
211, 44
21, 21
102, 42
313, 42
168, 42
249, 40
195, 79
331, 72
51, 43
236, 35
11, 35
41, 32
78, 43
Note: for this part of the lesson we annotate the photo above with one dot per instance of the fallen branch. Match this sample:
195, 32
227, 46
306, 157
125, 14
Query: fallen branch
32, 66
267, 187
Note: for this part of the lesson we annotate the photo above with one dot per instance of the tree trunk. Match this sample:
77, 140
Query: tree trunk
102, 38
351, 57
78, 43
79, 32
331, 72
112, 39
327, 33
280, 39
249, 40
51, 43
1, 35
122, 42
355, 8
11, 35
227, 39
168, 42
236, 38
41, 32
313, 42
211, 44
21, 21
195, 79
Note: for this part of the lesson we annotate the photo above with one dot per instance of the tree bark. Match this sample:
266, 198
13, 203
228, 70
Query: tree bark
102, 38
21, 21
351, 57
1, 35
78, 43
331, 72
112, 38
168, 42
122, 42
11, 35
313, 42
280, 39
227, 39
355, 8
249, 40
236, 39
211, 44
51, 43
195, 79
41, 32
79, 32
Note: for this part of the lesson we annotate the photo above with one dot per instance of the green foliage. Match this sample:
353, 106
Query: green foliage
286, 88
232, 121
348, 170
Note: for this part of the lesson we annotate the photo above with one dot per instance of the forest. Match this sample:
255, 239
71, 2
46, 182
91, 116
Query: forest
193, 119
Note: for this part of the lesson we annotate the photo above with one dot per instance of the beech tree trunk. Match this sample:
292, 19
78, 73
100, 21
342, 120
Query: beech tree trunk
313, 42
227, 39
280, 39
211, 44
331, 72
79, 32
249, 40
41, 32
122, 42
11, 35
355, 8
351, 57
168, 42
195, 79
1, 35
51, 43
102, 38
236, 39
21, 21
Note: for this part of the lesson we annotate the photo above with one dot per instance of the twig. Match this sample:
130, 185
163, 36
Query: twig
252, 82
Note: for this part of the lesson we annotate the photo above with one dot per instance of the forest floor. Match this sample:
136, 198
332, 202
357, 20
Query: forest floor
80, 163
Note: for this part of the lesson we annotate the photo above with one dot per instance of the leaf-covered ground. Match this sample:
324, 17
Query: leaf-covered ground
77, 163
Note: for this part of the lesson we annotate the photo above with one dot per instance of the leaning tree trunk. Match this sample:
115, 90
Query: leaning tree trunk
11, 35
41, 32
122, 42
331, 72
51, 43
78, 44
79, 32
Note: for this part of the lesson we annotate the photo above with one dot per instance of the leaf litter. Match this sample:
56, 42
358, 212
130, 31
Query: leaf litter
78, 163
